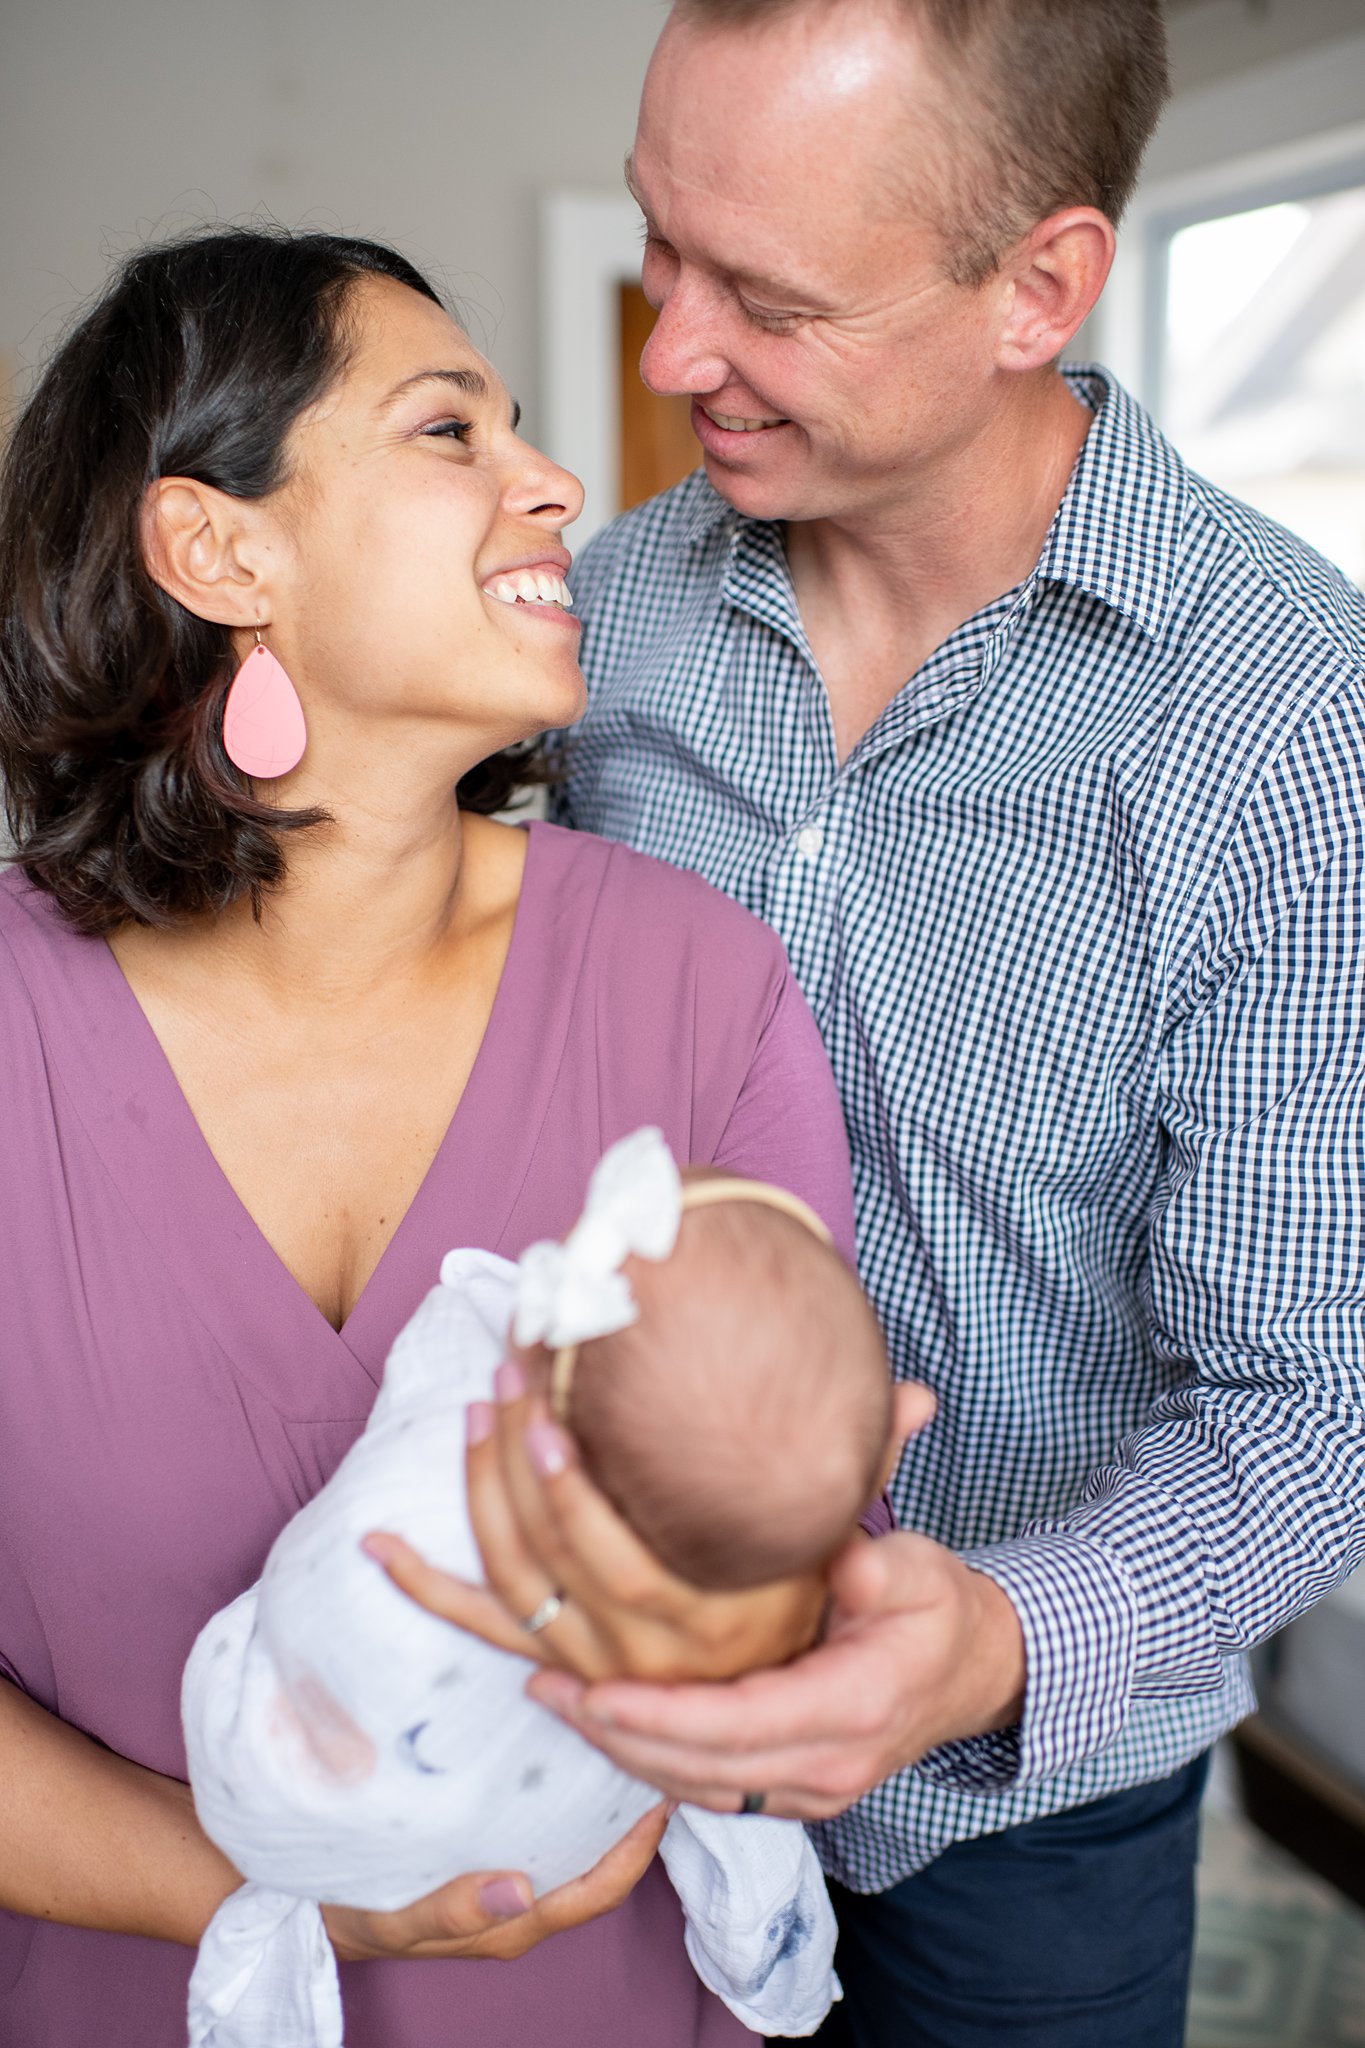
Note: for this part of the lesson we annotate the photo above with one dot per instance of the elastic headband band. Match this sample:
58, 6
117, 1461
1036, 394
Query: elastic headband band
696, 1194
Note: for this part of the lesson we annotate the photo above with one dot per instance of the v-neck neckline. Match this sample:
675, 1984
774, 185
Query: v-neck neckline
140, 1121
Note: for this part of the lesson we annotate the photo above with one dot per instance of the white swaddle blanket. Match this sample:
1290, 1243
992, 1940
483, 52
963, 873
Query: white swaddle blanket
344, 1744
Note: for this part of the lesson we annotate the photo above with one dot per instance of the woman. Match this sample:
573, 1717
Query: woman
269, 1047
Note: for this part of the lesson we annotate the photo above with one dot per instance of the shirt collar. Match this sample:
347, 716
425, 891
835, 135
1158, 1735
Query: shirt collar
1116, 529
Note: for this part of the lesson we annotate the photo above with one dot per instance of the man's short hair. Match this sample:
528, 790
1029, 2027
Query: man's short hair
1050, 103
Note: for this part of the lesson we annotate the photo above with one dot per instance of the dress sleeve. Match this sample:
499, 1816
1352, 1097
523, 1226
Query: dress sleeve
787, 1125
1241, 1498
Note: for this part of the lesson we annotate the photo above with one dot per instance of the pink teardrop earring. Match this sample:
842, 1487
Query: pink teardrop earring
264, 732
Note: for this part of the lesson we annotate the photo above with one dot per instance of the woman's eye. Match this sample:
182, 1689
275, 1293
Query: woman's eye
449, 430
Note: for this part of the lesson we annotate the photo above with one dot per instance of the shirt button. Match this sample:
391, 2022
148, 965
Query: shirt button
810, 842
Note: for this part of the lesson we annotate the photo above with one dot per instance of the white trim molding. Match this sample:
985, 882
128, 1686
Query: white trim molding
589, 245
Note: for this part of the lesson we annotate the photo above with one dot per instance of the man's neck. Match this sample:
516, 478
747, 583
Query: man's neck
878, 593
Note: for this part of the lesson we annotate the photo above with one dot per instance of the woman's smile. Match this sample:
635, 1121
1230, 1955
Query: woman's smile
535, 585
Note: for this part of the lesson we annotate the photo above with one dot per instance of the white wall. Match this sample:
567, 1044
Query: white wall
437, 124
434, 124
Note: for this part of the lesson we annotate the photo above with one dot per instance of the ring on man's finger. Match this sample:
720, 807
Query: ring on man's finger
752, 1802
547, 1611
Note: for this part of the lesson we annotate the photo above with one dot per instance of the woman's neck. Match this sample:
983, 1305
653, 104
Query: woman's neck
367, 900
373, 902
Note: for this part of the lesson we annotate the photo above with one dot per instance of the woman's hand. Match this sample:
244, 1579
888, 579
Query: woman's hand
493, 1914
543, 1528
918, 1648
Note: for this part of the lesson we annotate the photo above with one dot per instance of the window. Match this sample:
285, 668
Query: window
1259, 377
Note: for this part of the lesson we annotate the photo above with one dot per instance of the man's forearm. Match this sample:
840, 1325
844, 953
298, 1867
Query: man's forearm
96, 1841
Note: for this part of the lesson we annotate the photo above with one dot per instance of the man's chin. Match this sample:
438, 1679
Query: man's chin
758, 490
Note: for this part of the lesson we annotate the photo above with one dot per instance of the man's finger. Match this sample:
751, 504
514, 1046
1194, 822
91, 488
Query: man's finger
704, 1777
831, 1694
915, 1407
679, 1764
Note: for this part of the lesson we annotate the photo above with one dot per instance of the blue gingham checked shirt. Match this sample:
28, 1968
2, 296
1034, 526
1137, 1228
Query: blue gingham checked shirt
1080, 919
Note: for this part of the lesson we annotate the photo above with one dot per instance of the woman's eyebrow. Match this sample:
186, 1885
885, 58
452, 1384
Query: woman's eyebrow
472, 383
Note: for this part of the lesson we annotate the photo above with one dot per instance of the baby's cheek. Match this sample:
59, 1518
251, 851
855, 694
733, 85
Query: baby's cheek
341, 1748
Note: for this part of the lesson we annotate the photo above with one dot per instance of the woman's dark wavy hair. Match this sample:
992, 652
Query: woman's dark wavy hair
197, 361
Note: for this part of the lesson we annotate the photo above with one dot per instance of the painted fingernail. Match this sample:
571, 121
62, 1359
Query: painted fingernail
478, 1422
546, 1448
505, 1897
509, 1381
377, 1546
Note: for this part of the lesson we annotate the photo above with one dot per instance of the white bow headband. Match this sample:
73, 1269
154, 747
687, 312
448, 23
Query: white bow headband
569, 1292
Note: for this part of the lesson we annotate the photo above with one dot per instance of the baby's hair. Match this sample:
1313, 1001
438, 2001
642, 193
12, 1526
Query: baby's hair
741, 1423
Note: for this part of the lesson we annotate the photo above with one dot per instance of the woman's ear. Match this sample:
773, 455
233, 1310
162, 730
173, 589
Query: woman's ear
200, 545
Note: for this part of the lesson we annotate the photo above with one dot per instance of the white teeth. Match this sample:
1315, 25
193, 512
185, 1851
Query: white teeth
529, 586
738, 426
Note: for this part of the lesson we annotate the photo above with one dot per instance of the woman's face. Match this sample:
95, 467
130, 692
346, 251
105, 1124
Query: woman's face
415, 560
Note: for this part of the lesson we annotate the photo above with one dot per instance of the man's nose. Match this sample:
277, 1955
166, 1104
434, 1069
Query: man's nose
683, 355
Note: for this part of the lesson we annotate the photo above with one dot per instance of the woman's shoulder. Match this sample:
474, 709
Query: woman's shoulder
33, 986
35, 942
26, 932
52, 979
663, 912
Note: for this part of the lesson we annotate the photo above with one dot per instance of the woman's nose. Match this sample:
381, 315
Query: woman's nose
545, 491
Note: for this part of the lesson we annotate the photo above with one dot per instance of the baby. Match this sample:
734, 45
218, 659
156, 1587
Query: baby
728, 1387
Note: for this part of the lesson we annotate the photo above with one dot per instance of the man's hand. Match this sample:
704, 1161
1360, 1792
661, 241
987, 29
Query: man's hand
492, 1914
920, 1650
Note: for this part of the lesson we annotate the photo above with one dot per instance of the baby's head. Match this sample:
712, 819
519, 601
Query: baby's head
742, 1423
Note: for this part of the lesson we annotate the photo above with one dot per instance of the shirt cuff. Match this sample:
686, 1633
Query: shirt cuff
1080, 1622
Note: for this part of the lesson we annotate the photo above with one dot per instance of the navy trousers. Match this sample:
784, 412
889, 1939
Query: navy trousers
1075, 1931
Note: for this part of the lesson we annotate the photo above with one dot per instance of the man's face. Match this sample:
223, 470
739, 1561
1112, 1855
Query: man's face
835, 368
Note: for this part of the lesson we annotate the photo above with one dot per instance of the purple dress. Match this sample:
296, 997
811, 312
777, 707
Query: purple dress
169, 1396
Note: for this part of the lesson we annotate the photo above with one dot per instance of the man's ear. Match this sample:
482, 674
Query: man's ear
1055, 275
199, 545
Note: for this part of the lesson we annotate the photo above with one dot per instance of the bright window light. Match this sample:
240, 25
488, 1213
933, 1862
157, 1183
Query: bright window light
1263, 363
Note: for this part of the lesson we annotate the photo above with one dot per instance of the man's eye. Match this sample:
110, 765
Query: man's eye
451, 430
775, 323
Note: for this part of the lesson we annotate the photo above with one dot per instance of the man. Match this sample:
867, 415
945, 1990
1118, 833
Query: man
1048, 764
